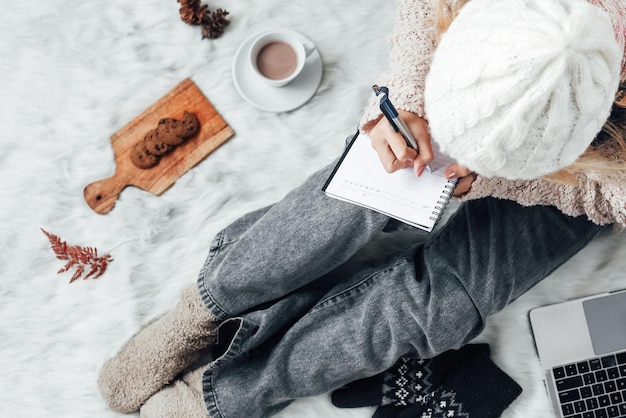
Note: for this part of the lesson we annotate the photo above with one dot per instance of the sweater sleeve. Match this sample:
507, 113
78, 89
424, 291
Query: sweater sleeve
602, 202
411, 46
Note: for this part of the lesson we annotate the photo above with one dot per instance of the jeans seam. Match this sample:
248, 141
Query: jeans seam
233, 351
210, 398
216, 244
212, 305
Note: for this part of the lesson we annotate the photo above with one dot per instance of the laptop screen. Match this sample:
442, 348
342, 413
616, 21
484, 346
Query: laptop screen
606, 320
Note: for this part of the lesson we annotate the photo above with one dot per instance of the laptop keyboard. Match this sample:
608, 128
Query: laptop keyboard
595, 388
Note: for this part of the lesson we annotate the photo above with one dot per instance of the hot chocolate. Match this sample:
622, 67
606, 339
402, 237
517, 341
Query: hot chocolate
277, 60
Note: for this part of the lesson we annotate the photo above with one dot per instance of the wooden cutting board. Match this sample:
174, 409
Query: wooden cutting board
214, 131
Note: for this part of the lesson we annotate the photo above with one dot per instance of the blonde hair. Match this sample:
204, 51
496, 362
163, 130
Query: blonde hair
445, 12
606, 154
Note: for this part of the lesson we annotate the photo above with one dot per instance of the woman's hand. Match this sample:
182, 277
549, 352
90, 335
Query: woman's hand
465, 175
394, 154
391, 147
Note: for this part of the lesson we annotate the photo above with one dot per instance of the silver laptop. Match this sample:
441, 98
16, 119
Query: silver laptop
582, 349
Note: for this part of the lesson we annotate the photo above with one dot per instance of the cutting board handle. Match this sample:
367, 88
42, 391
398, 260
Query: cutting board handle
101, 195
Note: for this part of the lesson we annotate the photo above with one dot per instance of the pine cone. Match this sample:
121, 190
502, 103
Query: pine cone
193, 12
213, 25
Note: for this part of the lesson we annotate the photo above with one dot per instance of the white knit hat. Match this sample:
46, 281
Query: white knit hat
520, 88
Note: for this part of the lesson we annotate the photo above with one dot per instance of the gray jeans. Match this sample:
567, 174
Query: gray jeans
298, 322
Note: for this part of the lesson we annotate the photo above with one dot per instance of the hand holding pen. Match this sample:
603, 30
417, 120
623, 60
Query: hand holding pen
395, 154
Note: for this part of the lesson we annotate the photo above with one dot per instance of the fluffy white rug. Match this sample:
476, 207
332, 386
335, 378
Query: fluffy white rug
73, 73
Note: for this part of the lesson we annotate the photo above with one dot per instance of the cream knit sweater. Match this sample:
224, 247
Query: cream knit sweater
412, 45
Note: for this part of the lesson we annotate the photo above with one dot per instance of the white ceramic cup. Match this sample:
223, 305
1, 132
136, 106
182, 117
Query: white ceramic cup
278, 56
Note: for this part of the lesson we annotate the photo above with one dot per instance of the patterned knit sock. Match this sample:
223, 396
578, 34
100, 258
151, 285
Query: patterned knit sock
473, 391
458, 383
407, 382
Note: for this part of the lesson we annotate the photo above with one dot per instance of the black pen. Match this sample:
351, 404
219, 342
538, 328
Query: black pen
396, 122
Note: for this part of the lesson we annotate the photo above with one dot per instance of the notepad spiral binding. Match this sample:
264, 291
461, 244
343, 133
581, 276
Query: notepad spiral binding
447, 194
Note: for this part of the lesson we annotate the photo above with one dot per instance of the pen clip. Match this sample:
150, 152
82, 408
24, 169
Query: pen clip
386, 107
380, 90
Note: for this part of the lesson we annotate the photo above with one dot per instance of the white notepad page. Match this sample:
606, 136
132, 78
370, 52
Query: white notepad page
361, 179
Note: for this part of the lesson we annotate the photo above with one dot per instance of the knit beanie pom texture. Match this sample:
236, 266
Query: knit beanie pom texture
520, 88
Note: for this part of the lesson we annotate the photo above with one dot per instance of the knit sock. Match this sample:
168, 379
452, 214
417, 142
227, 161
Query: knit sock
458, 383
180, 399
157, 354
473, 391
406, 382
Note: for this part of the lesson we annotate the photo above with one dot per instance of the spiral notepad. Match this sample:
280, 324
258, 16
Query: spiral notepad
360, 178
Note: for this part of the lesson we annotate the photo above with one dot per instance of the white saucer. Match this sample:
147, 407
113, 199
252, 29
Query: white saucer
276, 99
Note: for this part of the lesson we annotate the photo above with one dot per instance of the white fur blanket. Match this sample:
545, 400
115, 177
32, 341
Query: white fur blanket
74, 72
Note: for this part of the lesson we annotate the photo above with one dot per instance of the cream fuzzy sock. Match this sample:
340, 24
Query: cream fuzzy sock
157, 354
180, 399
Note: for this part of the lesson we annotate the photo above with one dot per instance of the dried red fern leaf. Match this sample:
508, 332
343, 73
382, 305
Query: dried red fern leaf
79, 258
